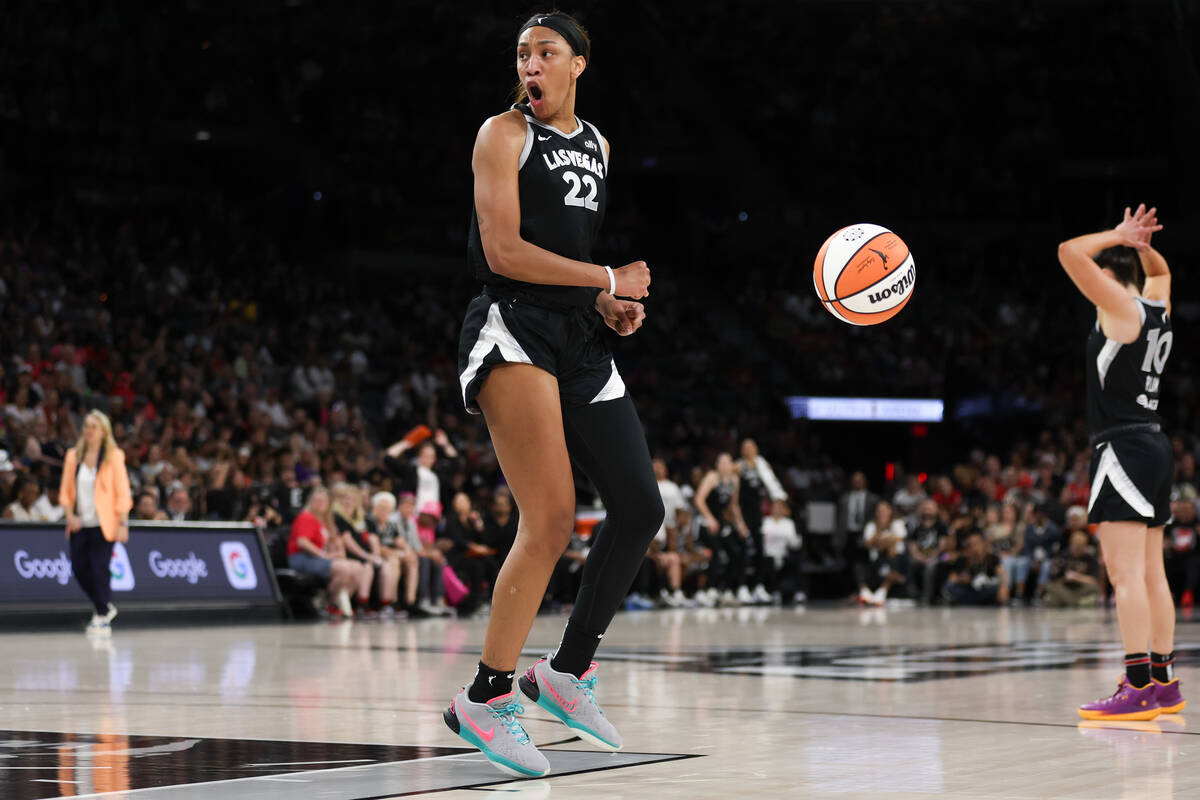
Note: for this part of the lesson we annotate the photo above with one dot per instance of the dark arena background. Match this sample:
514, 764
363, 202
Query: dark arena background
239, 230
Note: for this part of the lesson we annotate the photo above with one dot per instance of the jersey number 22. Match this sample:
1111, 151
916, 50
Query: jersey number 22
573, 196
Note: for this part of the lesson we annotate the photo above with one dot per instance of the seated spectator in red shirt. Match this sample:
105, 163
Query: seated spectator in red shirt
315, 549
946, 495
37, 363
1077, 490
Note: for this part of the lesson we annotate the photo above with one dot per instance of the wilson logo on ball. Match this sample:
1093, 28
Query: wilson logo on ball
899, 287
864, 274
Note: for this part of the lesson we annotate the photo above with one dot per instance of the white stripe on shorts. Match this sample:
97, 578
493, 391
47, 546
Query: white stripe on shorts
493, 334
613, 390
1110, 468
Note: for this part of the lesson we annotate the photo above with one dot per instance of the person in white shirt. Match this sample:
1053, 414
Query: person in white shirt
47, 507
757, 485
24, 508
672, 498
274, 410
94, 490
664, 550
781, 546
907, 498
421, 477
885, 562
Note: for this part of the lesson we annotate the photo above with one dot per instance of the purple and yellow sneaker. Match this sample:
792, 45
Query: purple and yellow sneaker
1127, 703
1170, 699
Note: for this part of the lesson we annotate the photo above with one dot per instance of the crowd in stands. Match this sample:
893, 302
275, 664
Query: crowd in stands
219, 419
990, 533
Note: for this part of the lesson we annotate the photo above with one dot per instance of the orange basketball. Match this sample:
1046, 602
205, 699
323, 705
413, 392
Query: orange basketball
864, 274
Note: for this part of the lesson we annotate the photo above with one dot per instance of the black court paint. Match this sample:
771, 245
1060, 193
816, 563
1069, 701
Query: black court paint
906, 664
37, 765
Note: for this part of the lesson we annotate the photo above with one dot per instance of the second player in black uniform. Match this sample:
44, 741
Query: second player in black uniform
1131, 469
758, 487
718, 500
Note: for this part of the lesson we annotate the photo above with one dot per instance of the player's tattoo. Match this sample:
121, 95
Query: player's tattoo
483, 226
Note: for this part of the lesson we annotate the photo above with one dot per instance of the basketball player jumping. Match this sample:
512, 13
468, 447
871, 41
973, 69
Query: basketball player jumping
1131, 468
533, 359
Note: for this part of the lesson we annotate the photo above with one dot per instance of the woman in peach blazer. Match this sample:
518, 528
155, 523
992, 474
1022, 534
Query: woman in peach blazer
95, 493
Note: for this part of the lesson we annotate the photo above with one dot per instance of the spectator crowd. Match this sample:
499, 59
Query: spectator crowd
364, 468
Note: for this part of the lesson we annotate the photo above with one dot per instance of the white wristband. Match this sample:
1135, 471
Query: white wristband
612, 281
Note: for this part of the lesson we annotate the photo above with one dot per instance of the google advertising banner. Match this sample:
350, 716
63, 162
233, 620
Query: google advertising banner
167, 562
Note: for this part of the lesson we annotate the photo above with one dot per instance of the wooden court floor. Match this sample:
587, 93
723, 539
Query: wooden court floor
819, 702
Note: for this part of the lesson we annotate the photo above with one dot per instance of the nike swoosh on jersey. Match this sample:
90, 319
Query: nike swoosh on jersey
543, 138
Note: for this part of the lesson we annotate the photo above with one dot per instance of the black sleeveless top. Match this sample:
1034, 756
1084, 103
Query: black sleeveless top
1123, 380
720, 498
561, 180
751, 491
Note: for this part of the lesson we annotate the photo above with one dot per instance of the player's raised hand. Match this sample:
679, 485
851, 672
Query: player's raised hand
1137, 227
633, 280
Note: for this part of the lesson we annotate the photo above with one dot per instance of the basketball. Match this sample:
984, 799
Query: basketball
864, 274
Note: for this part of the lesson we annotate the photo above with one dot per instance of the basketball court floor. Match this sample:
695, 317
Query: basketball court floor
834, 702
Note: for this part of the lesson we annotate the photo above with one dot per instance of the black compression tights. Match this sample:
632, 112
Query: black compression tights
607, 443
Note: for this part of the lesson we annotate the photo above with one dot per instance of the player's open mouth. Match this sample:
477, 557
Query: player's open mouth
535, 92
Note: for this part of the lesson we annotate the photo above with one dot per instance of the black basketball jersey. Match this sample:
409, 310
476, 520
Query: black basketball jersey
1123, 379
720, 498
751, 491
561, 180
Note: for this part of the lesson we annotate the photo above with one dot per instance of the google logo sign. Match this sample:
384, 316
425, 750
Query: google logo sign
239, 568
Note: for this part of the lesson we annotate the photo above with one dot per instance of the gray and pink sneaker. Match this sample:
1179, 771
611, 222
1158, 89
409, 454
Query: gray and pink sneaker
1170, 699
1127, 703
494, 727
572, 700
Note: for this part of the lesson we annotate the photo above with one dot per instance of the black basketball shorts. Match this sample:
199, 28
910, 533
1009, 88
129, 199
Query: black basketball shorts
1131, 480
568, 344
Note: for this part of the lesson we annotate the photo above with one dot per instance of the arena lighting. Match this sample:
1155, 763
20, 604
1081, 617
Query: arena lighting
865, 409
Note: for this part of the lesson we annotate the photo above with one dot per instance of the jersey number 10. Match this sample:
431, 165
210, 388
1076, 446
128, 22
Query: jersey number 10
1158, 348
574, 198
